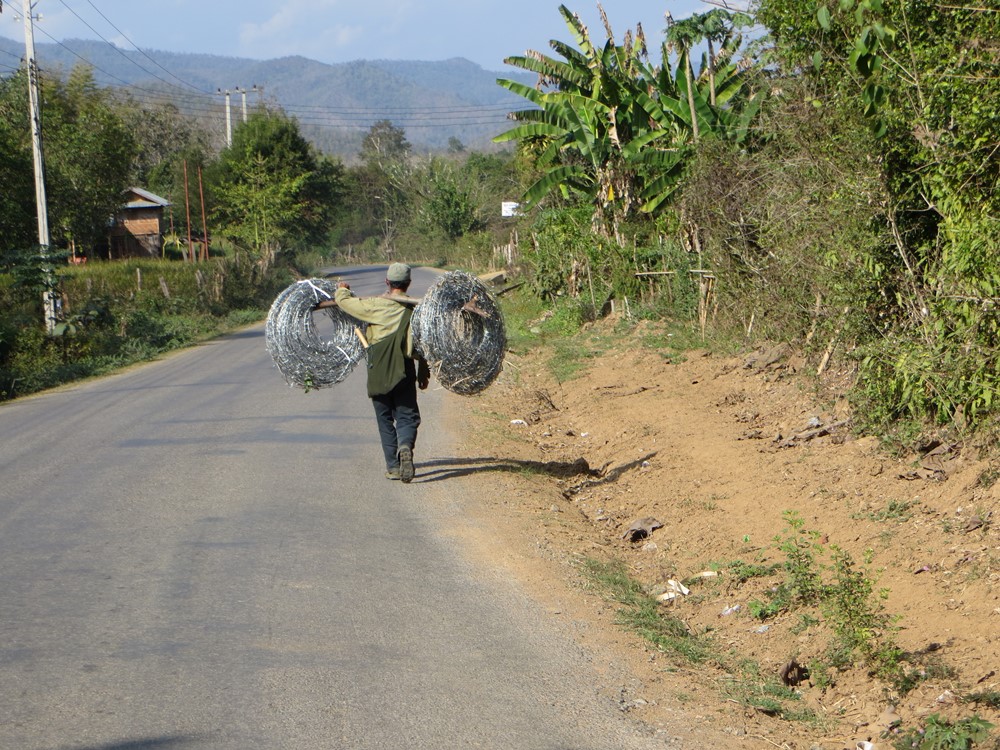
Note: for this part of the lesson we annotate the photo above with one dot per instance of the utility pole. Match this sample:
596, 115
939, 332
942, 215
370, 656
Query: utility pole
229, 118
204, 217
48, 297
187, 207
243, 93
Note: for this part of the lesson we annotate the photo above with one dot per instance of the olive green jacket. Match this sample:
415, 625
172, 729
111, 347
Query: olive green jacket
390, 345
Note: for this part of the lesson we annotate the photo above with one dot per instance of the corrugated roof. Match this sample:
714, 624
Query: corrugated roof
147, 199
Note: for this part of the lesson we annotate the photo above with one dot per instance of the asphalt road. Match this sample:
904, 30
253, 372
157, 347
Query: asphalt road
195, 555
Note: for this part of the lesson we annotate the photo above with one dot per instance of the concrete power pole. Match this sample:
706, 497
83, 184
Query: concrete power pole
48, 300
229, 118
243, 93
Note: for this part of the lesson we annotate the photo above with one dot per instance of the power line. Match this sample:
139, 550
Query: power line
114, 47
411, 117
142, 52
319, 116
81, 57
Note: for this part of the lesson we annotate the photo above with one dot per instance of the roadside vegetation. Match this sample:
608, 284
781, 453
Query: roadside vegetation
830, 183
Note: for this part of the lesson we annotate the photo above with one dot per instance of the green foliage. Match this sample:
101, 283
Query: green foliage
766, 694
117, 313
614, 129
856, 614
917, 72
450, 207
641, 613
842, 591
801, 548
271, 189
906, 678
940, 734
990, 698
89, 153
740, 572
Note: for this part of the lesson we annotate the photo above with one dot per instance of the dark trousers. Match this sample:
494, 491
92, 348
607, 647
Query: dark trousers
398, 419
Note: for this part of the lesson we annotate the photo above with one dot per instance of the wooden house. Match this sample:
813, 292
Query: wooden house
137, 228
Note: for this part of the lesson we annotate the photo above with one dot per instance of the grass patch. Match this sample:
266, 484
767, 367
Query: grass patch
989, 698
751, 688
570, 359
941, 734
642, 614
895, 510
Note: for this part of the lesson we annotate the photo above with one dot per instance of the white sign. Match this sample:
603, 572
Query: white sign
510, 208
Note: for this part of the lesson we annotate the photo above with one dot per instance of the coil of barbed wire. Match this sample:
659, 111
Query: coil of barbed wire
304, 357
459, 329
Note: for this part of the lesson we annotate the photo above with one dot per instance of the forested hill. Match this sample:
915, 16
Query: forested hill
335, 104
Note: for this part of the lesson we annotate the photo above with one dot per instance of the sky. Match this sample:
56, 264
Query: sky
334, 31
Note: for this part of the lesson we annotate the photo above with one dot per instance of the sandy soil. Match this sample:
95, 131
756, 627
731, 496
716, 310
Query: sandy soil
717, 450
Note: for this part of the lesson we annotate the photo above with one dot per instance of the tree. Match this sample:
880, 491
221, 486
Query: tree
89, 153
448, 205
610, 126
923, 75
384, 144
161, 133
579, 129
18, 228
271, 190
681, 36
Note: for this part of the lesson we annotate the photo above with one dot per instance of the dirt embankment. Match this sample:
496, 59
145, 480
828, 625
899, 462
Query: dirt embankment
716, 451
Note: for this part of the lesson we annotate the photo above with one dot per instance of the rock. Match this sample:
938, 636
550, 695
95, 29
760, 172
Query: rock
641, 529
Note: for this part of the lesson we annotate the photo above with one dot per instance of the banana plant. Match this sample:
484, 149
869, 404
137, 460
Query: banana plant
606, 124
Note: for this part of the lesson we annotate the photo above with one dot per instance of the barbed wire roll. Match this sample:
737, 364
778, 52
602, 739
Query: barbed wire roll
459, 330
300, 354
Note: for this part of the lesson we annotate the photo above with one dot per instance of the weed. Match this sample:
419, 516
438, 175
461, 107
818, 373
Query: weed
925, 668
988, 477
895, 510
741, 572
805, 622
819, 674
642, 614
857, 618
766, 694
990, 698
780, 601
801, 548
940, 734
706, 505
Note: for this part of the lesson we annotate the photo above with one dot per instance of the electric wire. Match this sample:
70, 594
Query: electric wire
115, 47
140, 51
318, 116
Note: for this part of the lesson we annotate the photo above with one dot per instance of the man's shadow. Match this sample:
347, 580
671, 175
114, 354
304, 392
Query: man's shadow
440, 469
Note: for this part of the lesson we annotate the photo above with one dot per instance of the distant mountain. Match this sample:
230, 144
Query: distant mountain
334, 104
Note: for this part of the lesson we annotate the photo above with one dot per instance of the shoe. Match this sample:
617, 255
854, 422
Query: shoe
406, 464
392, 473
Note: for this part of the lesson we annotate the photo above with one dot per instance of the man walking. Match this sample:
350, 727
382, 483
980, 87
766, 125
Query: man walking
393, 371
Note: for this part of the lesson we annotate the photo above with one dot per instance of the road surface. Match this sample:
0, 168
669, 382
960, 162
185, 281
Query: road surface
195, 555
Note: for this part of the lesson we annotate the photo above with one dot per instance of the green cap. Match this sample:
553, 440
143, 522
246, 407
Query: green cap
398, 272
